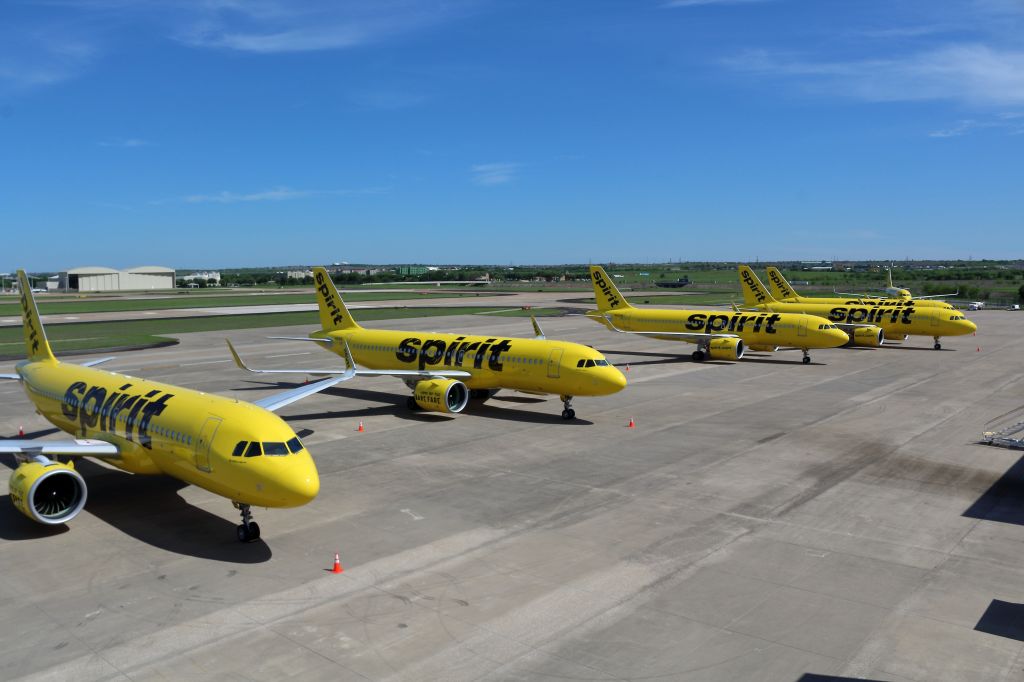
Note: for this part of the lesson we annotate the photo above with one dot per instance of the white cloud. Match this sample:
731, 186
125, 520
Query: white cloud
275, 194
488, 174
1007, 122
975, 74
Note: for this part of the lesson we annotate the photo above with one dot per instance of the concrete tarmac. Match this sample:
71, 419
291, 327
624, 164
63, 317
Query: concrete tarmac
765, 520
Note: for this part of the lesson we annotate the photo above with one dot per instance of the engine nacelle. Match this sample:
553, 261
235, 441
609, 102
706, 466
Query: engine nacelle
725, 349
762, 348
867, 336
47, 492
896, 336
441, 395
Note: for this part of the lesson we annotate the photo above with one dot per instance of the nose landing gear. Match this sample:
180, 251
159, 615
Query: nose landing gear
807, 356
568, 412
249, 530
938, 346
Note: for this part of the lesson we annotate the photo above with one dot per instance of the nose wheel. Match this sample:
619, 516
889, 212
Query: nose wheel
567, 411
249, 530
938, 346
807, 357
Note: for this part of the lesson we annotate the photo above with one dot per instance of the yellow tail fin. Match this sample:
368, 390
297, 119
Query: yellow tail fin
754, 293
36, 345
607, 295
780, 287
333, 313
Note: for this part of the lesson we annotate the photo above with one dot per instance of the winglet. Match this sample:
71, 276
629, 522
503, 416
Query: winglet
537, 331
350, 362
238, 360
36, 345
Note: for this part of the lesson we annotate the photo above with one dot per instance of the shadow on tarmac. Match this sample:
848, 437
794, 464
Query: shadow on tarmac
149, 509
1003, 619
1001, 502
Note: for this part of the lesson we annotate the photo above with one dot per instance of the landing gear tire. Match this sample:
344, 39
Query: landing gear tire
248, 530
568, 414
698, 356
807, 359
938, 346
480, 394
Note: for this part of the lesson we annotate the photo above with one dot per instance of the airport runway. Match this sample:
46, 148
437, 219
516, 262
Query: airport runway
765, 520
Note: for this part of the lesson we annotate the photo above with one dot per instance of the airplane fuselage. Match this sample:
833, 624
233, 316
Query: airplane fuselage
164, 429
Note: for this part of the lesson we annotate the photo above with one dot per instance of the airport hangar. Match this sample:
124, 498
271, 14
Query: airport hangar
101, 279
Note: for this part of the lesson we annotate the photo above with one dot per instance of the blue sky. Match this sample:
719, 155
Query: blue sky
222, 133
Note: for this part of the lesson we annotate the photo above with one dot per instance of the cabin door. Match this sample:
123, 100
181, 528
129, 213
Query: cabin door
204, 441
554, 363
801, 326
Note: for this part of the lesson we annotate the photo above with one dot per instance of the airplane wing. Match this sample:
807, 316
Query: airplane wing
351, 368
537, 331
278, 400
692, 337
301, 338
939, 295
9, 376
93, 363
80, 447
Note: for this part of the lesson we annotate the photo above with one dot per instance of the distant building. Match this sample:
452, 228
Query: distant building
205, 276
145, 278
299, 274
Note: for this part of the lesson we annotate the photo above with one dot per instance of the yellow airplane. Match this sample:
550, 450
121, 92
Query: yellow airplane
896, 322
238, 450
783, 291
445, 370
718, 335
894, 292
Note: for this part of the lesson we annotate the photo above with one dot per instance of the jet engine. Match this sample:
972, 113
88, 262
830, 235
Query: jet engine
896, 336
762, 348
729, 348
867, 336
441, 395
46, 491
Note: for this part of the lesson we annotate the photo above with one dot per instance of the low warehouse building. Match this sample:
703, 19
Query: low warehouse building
145, 278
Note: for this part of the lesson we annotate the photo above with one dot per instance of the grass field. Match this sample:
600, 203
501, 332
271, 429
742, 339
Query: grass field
99, 336
102, 305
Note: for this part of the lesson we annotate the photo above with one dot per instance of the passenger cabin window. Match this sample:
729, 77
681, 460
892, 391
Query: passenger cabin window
253, 450
239, 449
275, 448
294, 445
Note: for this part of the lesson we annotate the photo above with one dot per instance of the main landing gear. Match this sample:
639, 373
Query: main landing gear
698, 355
807, 356
249, 530
938, 346
568, 412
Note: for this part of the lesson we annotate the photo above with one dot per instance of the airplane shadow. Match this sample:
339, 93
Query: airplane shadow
1001, 502
522, 399
811, 677
149, 509
930, 350
1003, 619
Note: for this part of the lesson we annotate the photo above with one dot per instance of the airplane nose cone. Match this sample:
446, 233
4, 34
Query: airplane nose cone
302, 486
615, 380
971, 327
838, 337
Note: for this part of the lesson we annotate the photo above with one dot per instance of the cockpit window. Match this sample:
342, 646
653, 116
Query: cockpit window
239, 449
581, 363
275, 448
254, 450
590, 363
601, 363
294, 445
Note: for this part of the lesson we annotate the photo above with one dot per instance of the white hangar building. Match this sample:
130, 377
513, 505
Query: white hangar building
144, 278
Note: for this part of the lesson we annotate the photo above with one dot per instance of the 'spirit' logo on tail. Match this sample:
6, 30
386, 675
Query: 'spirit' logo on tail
609, 293
328, 298
781, 284
748, 279
30, 322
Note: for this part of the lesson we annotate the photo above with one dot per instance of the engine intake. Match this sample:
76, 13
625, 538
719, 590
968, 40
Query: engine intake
729, 348
441, 395
867, 336
48, 492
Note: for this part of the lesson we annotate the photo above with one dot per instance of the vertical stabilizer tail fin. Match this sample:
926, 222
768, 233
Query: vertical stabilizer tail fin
36, 345
605, 291
754, 293
333, 313
779, 285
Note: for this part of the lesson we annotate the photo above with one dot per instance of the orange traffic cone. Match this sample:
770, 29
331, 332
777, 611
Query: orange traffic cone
979, 350
631, 424
337, 564
360, 429
627, 366
21, 430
